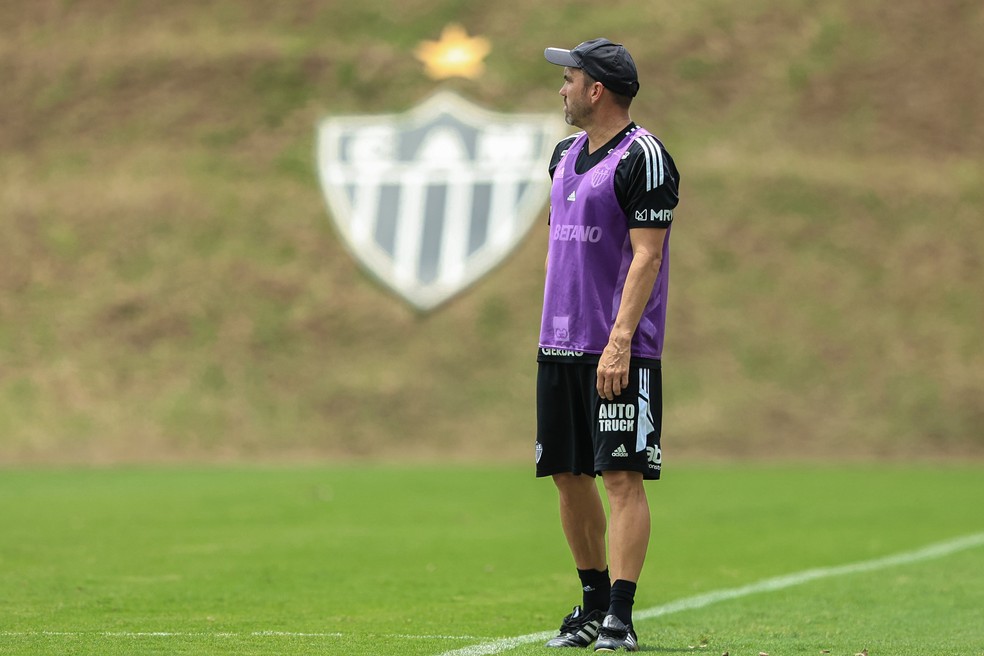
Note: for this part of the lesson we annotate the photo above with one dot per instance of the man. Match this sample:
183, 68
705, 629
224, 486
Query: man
599, 394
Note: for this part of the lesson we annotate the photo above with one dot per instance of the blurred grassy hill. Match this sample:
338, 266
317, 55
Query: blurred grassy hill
171, 286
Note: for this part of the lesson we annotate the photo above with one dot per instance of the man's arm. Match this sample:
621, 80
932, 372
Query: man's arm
647, 256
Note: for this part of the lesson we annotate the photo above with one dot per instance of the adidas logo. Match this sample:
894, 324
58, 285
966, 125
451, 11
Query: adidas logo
620, 452
571, 197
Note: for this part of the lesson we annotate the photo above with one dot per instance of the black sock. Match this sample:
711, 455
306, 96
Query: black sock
623, 594
597, 589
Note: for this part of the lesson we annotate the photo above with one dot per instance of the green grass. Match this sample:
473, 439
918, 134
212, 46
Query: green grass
421, 560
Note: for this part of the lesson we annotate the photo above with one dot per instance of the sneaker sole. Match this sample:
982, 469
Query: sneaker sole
610, 651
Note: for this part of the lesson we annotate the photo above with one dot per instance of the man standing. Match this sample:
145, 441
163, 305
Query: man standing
599, 393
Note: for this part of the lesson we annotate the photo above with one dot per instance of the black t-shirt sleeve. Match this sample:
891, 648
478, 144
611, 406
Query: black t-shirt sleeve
559, 150
647, 184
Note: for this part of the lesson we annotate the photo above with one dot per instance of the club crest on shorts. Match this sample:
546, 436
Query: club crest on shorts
431, 200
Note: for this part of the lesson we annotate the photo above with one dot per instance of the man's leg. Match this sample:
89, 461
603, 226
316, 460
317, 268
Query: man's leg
627, 544
630, 523
583, 517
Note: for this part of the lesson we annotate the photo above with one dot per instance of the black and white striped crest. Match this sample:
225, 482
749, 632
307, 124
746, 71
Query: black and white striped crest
431, 200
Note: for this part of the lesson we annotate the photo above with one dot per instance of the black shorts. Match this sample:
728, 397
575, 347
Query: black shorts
579, 432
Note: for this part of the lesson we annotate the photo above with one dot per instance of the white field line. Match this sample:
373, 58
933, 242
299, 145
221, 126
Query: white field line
931, 552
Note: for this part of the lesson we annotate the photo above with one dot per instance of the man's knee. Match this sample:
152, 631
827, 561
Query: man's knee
573, 482
576, 489
623, 483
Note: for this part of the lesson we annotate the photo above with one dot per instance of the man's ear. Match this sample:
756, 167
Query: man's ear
597, 88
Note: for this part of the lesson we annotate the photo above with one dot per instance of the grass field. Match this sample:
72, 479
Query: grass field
424, 561
172, 292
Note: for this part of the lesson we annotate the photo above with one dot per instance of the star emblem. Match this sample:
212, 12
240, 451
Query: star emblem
454, 55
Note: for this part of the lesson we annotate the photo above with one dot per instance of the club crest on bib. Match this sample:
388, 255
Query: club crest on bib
431, 200
599, 176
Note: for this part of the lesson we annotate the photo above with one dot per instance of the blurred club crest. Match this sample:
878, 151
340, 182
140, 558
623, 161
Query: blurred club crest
431, 200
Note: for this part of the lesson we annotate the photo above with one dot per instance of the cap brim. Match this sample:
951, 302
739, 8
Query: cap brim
561, 57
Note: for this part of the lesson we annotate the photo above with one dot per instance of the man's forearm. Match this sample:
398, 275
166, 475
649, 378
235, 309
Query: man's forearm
639, 283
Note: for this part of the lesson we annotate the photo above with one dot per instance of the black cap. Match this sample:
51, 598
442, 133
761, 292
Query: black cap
609, 63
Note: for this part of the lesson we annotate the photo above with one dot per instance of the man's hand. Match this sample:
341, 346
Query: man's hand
613, 366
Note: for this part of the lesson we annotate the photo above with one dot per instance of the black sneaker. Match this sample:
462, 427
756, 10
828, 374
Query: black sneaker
578, 629
614, 635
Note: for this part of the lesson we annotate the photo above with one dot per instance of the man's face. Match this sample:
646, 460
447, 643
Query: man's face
577, 105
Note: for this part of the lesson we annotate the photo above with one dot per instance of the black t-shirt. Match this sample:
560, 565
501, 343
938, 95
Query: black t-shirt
646, 180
